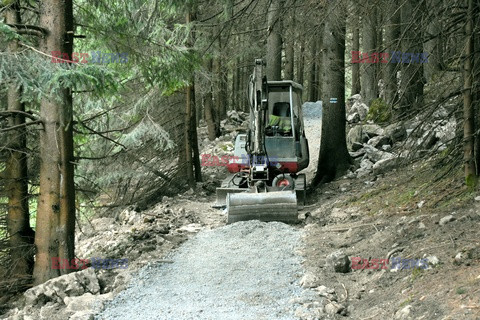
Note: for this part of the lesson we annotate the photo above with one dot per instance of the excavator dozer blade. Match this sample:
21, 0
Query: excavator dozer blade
268, 206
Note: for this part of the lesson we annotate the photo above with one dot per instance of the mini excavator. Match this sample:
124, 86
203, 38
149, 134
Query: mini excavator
264, 182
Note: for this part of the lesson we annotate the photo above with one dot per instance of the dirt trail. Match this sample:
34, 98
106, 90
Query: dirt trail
247, 270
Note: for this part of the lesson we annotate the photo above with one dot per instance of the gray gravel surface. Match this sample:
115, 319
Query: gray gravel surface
247, 270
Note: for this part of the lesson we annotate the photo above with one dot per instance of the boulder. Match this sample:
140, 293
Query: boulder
446, 131
372, 130
338, 262
356, 146
376, 155
379, 141
396, 132
385, 165
366, 164
68, 285
354, 136
355, 105
353, 117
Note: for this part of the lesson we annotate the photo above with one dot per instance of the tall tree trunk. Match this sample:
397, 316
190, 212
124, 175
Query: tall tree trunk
476, 83
369, 44
191, 141
290, 44
468, 110
220, 88
434, 36
412, 81
213, 130
54, 235
301, 60
312, 87
318, 64
355, 47
392, 38
334, 158
193, 133
274, 41
16, 179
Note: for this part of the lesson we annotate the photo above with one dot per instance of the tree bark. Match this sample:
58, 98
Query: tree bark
411, 85
476, 83
392, 36
334, 158
355, 47
16, 179
220, 88
54, 235
369, 44
213, 130
290, 45
318, 65
301, 60
274, 41
192, 158
468, 110
312, 87
434, 36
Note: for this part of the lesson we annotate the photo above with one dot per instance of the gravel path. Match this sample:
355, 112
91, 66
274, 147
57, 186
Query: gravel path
247, 270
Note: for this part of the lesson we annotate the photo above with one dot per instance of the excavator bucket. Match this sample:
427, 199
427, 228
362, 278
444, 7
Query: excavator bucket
265, 206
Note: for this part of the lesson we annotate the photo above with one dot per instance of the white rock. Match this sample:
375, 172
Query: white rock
446, 219
309, 280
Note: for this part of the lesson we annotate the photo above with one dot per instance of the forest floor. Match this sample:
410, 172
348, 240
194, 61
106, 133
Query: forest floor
376, 217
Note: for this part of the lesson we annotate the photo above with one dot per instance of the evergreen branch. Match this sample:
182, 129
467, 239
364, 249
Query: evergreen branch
104, 136
25, 114
21, 125
28, 27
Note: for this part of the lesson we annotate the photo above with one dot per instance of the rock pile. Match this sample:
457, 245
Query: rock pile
377, 149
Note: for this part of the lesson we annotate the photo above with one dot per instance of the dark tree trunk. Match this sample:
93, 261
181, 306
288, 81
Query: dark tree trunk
476, 83
290, 44
392, 38
274, 41
369, 44
334, 159
434, 36
193, 133
220, 89
16, 176
54, 235
355, 47
318, 65
191, 142
213, 129
411, 86
468, 110
312, 86
301, 60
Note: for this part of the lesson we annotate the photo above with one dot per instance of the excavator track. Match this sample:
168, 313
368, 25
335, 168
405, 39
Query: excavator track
264, 206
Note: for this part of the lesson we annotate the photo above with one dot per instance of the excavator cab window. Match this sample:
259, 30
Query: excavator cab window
279, 120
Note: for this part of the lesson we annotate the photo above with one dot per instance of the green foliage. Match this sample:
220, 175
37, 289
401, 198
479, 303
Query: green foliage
460, 290
416, 273
40, 78
471, 181
379, 112
9, 34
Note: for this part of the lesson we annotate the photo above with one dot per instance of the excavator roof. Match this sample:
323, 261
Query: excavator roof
285, 82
